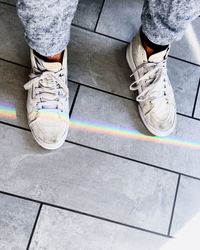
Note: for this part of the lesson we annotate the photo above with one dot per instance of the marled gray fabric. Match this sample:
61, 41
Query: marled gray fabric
164, 21
47, 22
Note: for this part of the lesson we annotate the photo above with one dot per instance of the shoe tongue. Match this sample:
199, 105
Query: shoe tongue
158, 57
49, 66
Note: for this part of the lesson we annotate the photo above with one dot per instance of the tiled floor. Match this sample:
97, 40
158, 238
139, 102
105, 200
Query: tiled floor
101, 190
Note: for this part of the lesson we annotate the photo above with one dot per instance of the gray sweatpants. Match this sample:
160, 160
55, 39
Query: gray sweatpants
47, 22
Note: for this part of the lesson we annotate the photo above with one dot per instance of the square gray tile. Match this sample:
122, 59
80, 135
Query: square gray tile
86, 180
110, 113
17, 218
58, 229
13, 96
184, 78
87, 13
188, 47
126, 23
98, 61
12, 46
186, 222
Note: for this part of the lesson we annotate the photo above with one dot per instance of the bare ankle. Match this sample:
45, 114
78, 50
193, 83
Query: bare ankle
150, 47
148, 50
55, 58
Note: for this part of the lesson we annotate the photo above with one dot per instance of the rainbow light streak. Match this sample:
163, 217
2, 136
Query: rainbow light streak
7, 110
51, 115
132, 134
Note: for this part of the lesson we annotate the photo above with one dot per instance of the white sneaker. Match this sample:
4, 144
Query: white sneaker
47, 103
157, 105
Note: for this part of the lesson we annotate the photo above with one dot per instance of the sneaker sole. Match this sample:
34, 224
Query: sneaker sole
152, 130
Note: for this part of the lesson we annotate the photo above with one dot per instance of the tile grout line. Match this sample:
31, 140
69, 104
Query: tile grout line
15, 63
133, 160
97, 22
111, 37
174, 204
189, 117
98, 89
110, 153
125, 97
98, 33
103, 91
9, 4
196, 98
15, 126
183, 60
81, 27
74, 100
42, 203
34, 226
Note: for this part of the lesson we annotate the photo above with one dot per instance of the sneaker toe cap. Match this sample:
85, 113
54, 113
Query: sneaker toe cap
162, 123
51, 132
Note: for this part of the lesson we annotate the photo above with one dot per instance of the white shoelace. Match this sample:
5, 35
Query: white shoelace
49, 90
153, 83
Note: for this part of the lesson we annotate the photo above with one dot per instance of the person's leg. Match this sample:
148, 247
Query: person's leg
47, 24
162, 23
47, 30
165, 21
